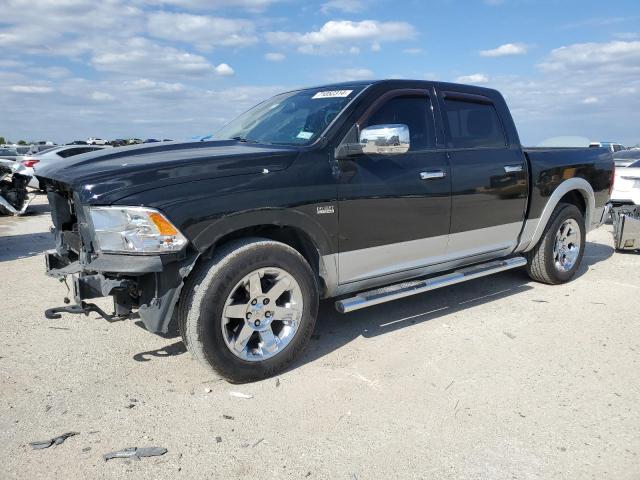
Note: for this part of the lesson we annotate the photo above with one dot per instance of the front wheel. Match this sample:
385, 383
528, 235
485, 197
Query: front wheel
249, 311
557, 256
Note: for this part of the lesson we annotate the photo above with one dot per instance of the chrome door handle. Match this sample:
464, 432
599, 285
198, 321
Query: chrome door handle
512, 168
432, 175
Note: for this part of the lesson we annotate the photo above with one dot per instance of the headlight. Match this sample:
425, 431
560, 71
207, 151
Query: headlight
134, 230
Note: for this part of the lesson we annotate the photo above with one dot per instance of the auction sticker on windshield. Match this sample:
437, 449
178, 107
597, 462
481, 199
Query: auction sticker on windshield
333, 94
305, 135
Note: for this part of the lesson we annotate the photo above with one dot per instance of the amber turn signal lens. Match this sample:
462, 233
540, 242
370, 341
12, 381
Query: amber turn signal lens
163, 225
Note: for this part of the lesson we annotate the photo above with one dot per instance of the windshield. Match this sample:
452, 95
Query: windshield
294, 118
8, 151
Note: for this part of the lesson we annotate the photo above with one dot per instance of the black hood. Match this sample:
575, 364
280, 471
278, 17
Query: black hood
106, 175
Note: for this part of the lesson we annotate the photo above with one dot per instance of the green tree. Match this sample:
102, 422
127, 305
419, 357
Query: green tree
21, 142
2, 141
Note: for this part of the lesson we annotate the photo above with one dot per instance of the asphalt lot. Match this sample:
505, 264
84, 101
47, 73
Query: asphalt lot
499, 378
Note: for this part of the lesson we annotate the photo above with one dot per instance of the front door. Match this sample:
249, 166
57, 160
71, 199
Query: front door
489, 179
394, 209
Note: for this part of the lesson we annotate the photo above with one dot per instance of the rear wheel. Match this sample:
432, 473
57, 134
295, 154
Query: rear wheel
250, 310
557, 256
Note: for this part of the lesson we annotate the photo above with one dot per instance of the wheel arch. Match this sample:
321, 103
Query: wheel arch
291, 228
576, 191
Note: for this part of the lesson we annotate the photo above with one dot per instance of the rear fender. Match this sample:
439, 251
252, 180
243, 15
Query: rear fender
534, 228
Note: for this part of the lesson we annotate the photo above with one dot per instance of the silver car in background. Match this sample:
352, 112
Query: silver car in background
14, 152
55, 154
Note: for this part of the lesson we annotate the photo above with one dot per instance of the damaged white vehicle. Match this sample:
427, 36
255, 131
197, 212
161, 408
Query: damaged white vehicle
14, 196
625, 207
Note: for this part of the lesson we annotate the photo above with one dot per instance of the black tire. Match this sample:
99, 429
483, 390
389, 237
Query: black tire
541, 263
207, 288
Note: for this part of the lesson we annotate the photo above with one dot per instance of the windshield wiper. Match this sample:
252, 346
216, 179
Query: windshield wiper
243, 140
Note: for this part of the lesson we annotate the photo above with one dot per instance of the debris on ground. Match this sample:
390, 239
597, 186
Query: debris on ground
54, 441
218, 439
207, 390
135, 453
258, 442
227, 417
277, 382
510, 335
241, 395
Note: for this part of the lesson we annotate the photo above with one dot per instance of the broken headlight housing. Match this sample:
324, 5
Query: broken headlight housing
134, 230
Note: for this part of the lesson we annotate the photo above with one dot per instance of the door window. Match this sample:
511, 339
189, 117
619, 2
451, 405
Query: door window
472, 125
412, 111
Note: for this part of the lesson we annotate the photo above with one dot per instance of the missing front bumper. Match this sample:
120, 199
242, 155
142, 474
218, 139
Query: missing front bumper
148, 285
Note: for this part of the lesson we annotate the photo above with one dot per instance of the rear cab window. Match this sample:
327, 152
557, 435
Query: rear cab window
471, 121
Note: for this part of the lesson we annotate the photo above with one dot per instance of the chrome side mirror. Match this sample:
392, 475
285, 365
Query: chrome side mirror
387, 139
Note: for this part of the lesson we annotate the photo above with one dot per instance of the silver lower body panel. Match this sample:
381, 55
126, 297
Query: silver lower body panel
402, 290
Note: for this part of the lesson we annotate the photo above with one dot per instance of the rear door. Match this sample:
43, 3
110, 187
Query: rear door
394, 209
489, 178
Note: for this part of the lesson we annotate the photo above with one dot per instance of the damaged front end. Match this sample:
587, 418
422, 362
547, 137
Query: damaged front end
626, 226
14, 196
145, 285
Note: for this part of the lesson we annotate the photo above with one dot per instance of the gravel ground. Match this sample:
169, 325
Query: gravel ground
499, 378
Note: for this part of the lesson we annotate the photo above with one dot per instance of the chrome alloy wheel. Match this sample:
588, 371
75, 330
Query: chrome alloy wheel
566, 247
262, 314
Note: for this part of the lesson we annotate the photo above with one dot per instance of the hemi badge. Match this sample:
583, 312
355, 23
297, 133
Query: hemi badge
324, 209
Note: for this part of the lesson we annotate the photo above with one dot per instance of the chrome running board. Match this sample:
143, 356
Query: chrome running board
406, 289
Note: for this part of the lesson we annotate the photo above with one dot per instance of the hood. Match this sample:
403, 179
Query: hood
104, 176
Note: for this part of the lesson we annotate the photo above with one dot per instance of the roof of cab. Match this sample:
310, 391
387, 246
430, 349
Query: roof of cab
440, 85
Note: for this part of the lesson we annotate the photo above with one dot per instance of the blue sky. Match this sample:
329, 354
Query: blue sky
177, 68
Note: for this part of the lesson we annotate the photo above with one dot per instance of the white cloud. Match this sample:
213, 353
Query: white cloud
473, 78
254, 5
505, 50
346, 6
30, 89
347, 74
65, 28
584, 89
102, 96
621, 56
224, 70
139, 55
274, 56
203, 31
148, 85
338, 36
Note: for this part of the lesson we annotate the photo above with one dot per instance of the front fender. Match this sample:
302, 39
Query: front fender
295, 218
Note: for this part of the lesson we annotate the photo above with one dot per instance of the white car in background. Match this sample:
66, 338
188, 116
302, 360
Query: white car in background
55, 154
626, 158
612, 146
96, 141
626, 186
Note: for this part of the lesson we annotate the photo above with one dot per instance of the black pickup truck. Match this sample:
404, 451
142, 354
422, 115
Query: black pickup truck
365, 192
